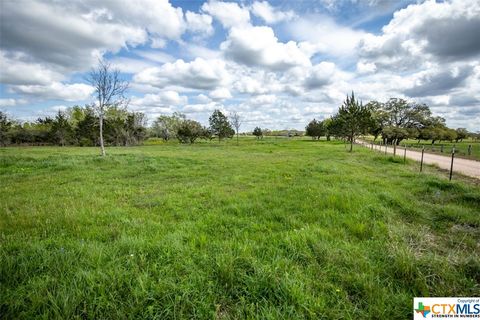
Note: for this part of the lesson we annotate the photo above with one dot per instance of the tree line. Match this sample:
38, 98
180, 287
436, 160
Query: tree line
78, 126
393, 121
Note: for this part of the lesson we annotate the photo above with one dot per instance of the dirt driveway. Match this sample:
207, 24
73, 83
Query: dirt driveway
466, 167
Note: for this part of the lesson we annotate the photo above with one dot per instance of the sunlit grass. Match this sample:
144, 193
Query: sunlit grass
268, 229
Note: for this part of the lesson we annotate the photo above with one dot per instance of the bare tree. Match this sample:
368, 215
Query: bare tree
109, 91
236, 121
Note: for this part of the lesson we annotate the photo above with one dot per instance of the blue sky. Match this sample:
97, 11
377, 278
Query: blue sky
278, 64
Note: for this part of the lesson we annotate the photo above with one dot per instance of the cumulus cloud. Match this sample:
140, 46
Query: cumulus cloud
437, 82
320, 75
163, 102
445, 30
197, 74
10, 102
201, 107
258, 46
324, 35
56, 91
220, 94
269, 14
228, 13
199, 22
16, 70
263, 99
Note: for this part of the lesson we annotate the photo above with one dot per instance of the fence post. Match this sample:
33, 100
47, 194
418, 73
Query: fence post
372, 145
421, 160
394, 149
469, 149
385, 148
441, 148
451, 165
404, 153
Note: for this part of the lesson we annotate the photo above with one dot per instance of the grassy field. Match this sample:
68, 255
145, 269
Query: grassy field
289, 229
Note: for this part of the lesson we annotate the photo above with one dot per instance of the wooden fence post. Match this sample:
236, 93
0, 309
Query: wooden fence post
394, 149
421, 160
469, 149
451, 165
404, 153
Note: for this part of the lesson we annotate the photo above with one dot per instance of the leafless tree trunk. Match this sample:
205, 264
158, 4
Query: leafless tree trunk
236, 121
109, 89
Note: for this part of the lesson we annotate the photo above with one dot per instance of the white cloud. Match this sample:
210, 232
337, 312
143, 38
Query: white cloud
321, 75
228, 13
258, 46
201, 23
324, 35
197, 74
426, 32
220, 94
164, 99
7, 102
269, 14
16, 71
201, 107
263, 99
366, 67
56, 91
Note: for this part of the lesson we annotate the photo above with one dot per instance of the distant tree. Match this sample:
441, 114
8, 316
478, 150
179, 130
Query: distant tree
5, 127
109, 91
462, 133
236, 122
166, 127
61, 129
207, 134
220, 126
86, 132
327, 124
449, 134
378, 119
401, 117
257, 132
189, 131
134, 127
352, 119
315, 129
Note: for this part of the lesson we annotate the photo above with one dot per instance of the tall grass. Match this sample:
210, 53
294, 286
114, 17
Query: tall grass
267, 229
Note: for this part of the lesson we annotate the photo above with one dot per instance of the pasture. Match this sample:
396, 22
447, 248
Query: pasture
291, 229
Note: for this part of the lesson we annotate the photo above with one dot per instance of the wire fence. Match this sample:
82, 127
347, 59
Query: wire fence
401, 151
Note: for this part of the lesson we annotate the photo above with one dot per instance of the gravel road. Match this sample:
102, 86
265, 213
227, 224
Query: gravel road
466, 167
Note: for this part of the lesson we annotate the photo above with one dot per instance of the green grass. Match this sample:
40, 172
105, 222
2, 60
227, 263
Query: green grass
289, 229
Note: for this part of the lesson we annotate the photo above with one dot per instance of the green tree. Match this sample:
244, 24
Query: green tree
257, 132
5, 128
462, 133
315, 129
61, 129
352, 119
189, 131
220, 126
86, 132
166, 127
